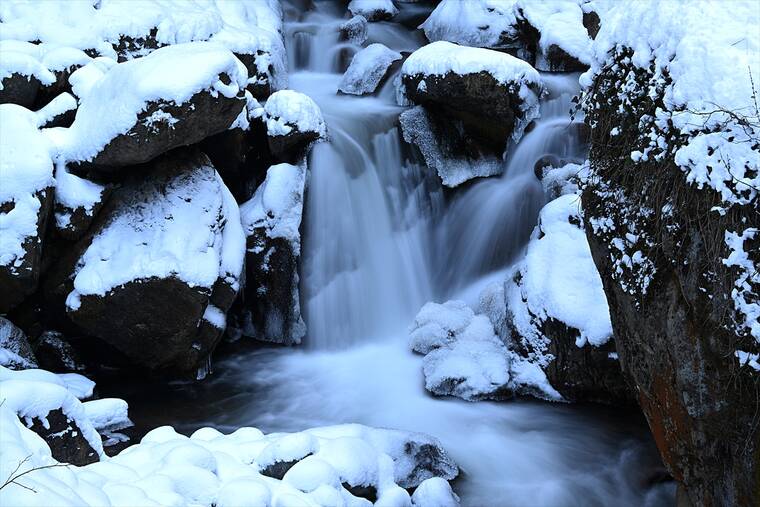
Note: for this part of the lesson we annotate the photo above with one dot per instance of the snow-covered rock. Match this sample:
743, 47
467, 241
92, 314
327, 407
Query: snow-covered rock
557, 310
373, 10
354, 30
294, 121
21, 75
271, 220
441, 143
15, 351
552, 36
477, 100
139, 282
175, 96
474, 366
77, 201
26, 197
367, 70
49, 408
434, 492
437, 325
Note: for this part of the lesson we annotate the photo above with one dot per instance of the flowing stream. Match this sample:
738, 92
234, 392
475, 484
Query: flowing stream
381, 238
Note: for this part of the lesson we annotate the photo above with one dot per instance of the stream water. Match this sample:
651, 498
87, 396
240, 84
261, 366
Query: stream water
380, 239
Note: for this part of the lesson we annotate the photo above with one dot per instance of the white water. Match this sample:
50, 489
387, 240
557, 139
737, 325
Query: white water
380, 240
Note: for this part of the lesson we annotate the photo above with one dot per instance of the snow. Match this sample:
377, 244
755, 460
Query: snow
287, 109
367, 69
559, 277
72, 192
215, 316
14, 62
367, 8
59, 105
31, 397
277, 204
434, 492
25, 170
84, 78
746, 300
709, 54
495, 24
107, 414
138, 241
170, 74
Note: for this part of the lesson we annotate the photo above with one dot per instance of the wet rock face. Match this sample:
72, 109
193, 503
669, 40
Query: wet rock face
65, 439
164, 126
670, 310
590, 374
19, 89
485, 107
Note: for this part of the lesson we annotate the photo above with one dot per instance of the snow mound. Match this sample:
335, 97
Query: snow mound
559, 278
436, 325
146, 235
26, 171
24, 64
210, 468
368, 67
288, 111
475, 365
172, 74
277, 204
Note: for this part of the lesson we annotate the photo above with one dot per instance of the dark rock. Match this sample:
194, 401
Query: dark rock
65, 439
588, 373
592, 23
278, 469
129, 48
200, 117
430, 460
379, 13
363, 491
54, 353
545, 163
558, 60
15, 351
270, 300
19, 89
292, 147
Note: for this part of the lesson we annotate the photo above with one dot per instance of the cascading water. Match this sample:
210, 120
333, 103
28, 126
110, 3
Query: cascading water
380, 239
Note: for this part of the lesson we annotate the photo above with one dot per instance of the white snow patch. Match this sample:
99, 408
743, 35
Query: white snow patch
287, 109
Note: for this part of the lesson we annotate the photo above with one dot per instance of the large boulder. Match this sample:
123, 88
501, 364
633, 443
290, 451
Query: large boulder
26, 198
478, 99
271, 220
294, 122
138, 282
176, 96
21, 76
672, 222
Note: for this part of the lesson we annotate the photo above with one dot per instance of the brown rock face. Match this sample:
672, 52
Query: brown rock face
672, 311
